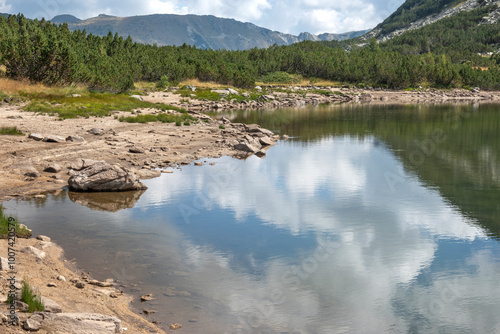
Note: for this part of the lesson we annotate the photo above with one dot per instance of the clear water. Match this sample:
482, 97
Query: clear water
370, 220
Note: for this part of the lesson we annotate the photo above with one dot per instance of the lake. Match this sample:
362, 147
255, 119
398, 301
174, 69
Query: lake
370, 219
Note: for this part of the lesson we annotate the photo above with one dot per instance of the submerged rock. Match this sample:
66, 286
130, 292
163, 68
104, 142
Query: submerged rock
103, 177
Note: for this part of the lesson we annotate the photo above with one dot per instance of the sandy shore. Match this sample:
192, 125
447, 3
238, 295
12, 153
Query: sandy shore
165, 145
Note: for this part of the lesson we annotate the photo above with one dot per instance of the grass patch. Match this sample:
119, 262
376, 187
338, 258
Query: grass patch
29, 297
89, 104
164, 118
222, 127
11, 130
21, 232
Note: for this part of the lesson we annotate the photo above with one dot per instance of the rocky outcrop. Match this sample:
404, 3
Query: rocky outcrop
103, 177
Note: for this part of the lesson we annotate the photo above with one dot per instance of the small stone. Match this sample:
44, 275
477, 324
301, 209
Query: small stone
75, 139
101, 284
198, 163
138, 97
21, 306
285, 137
80, 285
36, 136
43, 238
96, 131
175, 326
76, 95
148, 311
32, 324
61, 278
113, 295
40, 196
167, 171
147, 297
136, 149
52, 285
54, 168
53, 139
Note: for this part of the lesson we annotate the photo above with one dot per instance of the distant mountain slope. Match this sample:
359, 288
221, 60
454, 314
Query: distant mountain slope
206, 32
415, 14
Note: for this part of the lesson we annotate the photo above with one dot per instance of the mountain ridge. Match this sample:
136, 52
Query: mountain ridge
202, 31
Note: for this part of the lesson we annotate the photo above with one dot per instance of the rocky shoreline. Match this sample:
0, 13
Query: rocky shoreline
57, 150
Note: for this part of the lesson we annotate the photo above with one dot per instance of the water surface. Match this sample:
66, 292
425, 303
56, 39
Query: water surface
369, 220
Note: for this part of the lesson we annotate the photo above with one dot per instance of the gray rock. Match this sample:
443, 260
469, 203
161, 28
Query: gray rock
75, 139
96, 131
54, 139
80, 285
266, 141
61, 278
101, 284
233, 91
54, 168
198, 163
51, 306
80, 323
246, 147
258, 88
138, 97
4, 264
33, 323
39, 254
36, 136
76, 95
30, 171
102, 176
43, 238
21, 306
136, 149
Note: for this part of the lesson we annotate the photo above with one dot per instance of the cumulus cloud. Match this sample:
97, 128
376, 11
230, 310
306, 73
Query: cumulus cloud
295, 16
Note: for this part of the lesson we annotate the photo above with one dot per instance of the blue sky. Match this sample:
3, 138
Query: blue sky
290, 16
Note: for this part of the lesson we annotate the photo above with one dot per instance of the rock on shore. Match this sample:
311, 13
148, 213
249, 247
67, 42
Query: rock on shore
103, 177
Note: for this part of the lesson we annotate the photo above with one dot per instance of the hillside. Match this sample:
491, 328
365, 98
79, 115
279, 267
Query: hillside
205, 32
416, 14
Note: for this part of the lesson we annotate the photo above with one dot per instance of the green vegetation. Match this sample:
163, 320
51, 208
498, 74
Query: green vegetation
222, 127
29, 297
441, 55
10, 130
21, 232
281, 78
162, 117
90, 104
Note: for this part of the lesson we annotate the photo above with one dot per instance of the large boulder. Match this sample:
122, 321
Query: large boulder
101, 176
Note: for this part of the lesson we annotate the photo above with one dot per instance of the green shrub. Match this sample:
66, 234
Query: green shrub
21, 232
11, 130
29, 297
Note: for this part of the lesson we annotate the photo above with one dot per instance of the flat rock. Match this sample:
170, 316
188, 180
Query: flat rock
102, 176
54, 168
138, 97
51, 306
78, 139
145, 174
101, 284
43, 238
61, 278
30, 171
39, 254
36, 136
54, 139
21, 306
147, 297
80, 323
246, 147
266, 141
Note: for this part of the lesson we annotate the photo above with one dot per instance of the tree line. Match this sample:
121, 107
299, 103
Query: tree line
40, 51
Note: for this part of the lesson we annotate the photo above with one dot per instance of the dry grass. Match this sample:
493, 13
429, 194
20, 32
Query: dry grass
305, 82
16, 87
198, 83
